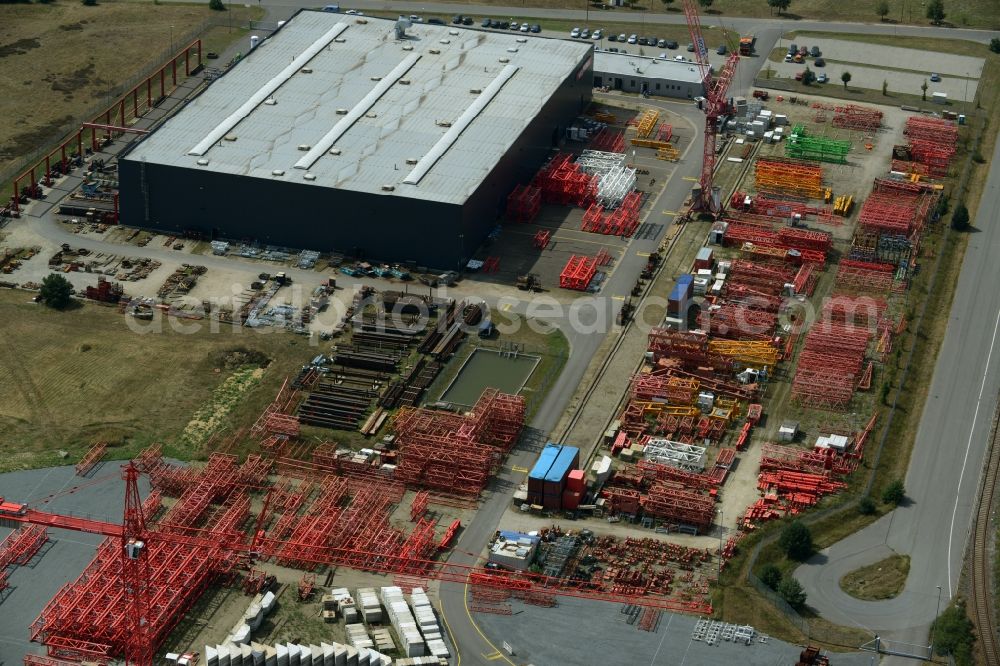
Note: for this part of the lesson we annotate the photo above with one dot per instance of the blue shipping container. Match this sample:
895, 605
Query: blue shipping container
568, 457
685, 278
678, 293
545, 460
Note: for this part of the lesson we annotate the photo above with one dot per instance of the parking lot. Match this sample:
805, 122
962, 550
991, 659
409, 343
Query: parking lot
908, 68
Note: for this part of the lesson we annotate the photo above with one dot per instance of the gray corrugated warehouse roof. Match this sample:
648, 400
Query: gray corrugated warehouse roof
338, 101
626, 64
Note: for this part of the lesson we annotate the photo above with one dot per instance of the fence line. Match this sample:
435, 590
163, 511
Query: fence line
114, 92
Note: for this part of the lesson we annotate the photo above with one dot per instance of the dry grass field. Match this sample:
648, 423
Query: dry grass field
960, 13
70, 378
58, 61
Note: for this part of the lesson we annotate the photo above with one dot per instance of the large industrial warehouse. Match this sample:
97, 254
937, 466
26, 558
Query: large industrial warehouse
339, 133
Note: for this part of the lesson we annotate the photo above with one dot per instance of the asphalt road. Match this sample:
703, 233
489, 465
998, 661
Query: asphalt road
933, 526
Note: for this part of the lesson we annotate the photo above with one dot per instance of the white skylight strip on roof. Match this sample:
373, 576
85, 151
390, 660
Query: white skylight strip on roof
459, 126
267, 90
360, 109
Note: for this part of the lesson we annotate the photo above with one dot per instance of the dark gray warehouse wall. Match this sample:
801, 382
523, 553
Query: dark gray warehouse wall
294, 214
529, 152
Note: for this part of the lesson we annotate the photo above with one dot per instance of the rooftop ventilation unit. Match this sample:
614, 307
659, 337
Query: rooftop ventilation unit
434, 51
512, 49
412, 160
407, 47
402, 24
270, 101
476, 91
304, 146
504, 60
339, 40
335, 151
278, 172
404, 82
371, 115
453, 33
306, 70
376, 78
444, 41
310, 176
203, 162
230, 137
388, 188
521, 40
341, 111
443, 123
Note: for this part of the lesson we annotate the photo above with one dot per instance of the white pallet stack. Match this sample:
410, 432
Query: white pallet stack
428, 623
402, 620
368, 604
357, 636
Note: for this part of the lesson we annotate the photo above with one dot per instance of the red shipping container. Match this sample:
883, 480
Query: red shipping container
575, 481
570, 500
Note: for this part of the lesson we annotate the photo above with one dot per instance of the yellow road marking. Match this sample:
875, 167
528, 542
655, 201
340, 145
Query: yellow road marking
691, 178
465, 601
506, 307
458, 653
642, 254
492, 657
618, 298
515, 468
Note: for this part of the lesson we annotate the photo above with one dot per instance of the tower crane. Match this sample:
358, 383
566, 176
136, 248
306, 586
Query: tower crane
135, 540
716, 92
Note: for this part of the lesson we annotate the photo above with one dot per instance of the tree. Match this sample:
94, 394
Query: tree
791, 591
923, 90
866, 506
808, 76
782, 5
56, 291
882, 9
667, 2
995, 45
846, 78
894, 493
952, 634
885, 87
705, 3
770, 575
797, 541
960, 218
935, 11
216, 5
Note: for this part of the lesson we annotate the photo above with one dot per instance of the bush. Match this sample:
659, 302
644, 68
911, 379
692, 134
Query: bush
56, 291
89, 3
217, 5
770, 575
792, 592
894, 493
935, 11
960, 218
796, 540
995, 45
866, 506
952, 634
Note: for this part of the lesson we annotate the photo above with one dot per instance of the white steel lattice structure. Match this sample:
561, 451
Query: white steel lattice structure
676, 454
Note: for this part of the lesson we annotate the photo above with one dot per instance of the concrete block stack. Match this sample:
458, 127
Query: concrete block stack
383, 639
371, 609
291, 654
428, 623
346, 605
403, 622
357, 636
329, 609
419, 661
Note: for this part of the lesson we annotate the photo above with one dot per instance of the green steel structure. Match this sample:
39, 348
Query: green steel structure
803, 146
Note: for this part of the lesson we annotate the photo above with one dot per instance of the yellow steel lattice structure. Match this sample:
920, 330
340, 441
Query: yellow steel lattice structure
790, 177
656, 408
750, 352
647, 123
668, 152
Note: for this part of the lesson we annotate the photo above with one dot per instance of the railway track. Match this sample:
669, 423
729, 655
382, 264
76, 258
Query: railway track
982, 562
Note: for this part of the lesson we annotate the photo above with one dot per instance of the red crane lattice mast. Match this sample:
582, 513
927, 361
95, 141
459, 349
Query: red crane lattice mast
135, 572
716, 91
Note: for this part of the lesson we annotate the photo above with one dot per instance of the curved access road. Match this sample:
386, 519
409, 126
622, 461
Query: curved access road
942, 485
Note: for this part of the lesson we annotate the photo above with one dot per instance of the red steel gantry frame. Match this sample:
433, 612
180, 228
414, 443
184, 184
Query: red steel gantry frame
114, 120
716, 92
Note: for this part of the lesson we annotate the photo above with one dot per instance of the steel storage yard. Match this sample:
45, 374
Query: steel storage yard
336, 133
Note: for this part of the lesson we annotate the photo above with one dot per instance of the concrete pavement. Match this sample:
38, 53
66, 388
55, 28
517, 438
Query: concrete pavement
933, 526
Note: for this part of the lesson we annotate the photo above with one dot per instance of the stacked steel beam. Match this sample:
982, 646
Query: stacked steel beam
896, 207
524, 203
770, 279
680, 506
609, 141
856, 117
19, 547
932, 142
674, 390
811, 246
830, 364
865, 276
563, 182
824, 462
622, 221
798, 489
91, 458
797, 178
457, 453
865, 311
